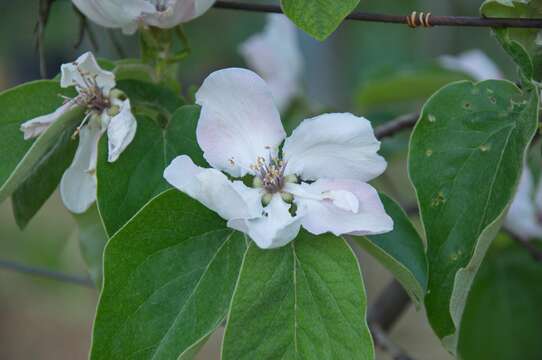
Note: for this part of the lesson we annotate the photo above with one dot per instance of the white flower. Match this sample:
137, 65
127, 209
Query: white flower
107, 109
473, 63
317, 180
524, 217
129, 14
275, 55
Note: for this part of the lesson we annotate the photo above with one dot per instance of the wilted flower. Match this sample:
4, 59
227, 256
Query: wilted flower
107, 109
275, 55
524, 217
474, 63
129, 14
316, 180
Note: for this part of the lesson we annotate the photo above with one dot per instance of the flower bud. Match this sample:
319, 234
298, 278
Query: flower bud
257, 182
291, 179
287, 197
114, 110
266, 199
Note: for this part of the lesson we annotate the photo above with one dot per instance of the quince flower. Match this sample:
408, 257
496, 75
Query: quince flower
107, 109
129, 14
524, 218
275, 55
315, 180
474, 63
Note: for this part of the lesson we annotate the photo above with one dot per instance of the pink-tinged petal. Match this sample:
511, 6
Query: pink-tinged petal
120, 14
334, 146
37, 126
230, 200
239, 121
78, 183
275, 55
121, 130
341, 207
177, 12
474, 63
86, 67
522, 218
276, 228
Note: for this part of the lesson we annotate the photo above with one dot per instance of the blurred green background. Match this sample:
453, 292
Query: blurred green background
42, 319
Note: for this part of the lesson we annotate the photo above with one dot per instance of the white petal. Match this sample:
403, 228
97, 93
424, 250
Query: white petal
238, 120
177, 12
473, 63
73, 74
78, 184
275, 55
114, 13
341, 207
275, 229
121, 130
522, 218
213, 189
37, 126
334, 146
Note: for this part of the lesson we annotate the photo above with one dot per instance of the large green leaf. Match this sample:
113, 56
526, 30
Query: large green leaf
168, 280
520, 44
405, 83
502, 319
19, 157
303, 301
92, 240
319, 18
137, 176
400, 251
466, 155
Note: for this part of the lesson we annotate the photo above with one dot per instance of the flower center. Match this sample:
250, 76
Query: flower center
269, 174
91, 95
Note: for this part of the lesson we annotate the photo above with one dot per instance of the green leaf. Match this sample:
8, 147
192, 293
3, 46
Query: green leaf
519, 43
44, 177
150, 99
319, 18
92, 240
400, 251
19, 158
137, 176
404, 84
502, 317
168, 280
466, 155
305, 300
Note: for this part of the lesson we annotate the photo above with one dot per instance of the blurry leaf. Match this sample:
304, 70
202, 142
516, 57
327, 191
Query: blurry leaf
319, 18
150, 99
92, 240
134, 69
466, 156
503, 312
137, 176
18, 157
169, 275
400, 251
404, 84
44, 177
302, 301
519, 43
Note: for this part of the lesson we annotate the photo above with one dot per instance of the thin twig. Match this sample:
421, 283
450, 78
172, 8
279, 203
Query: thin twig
116, 43
394, 126
462, 21
46, 273
384, 313
43, 18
